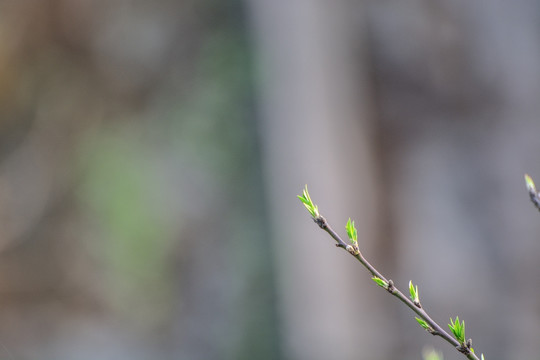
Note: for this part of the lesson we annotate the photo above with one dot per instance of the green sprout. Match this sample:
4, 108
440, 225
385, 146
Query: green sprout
351, 231
533, 194
423, 323
380, 282
458, 329
306, 200
413, 290
530, 184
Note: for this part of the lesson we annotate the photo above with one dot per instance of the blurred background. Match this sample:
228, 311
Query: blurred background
151, 154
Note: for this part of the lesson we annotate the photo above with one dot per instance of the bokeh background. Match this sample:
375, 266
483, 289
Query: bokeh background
151, 153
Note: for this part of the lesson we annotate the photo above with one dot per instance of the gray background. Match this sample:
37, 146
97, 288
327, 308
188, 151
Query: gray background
151, 154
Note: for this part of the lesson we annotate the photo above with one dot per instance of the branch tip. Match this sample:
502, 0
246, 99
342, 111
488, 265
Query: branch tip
533, 193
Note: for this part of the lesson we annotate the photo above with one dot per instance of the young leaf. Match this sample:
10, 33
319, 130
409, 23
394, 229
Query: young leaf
352, 233
413, 290
458, 329
533, 194
306, 200
380, 282
423, 323
530, 184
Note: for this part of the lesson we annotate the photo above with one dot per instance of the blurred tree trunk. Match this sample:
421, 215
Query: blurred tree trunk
457, 87
317, 129
454, 88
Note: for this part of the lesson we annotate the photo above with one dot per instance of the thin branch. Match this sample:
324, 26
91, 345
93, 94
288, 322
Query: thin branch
392, 289
465, 347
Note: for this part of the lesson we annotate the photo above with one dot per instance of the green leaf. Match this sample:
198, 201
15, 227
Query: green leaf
351, 231
458, 329
413, 290
303, 200
482, 357
423, 323
380, 282
306, 200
